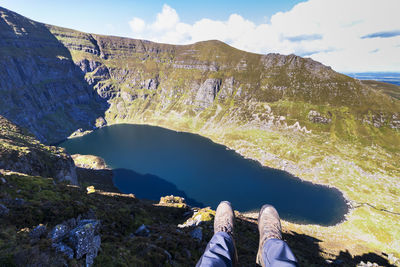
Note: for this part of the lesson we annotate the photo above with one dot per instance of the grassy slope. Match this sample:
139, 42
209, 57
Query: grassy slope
21, 151
49, 204
359, 159
388, 88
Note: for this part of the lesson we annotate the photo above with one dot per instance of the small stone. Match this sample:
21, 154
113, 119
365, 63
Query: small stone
90, 189
142, 231
3, 210
4, 181
197, 233
38, 231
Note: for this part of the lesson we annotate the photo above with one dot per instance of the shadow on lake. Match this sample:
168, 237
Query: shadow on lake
205, 173
148, 186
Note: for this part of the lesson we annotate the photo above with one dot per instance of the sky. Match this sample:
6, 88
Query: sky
348, 35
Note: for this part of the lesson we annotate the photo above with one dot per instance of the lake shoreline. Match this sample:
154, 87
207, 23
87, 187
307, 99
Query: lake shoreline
295, 181
349, 202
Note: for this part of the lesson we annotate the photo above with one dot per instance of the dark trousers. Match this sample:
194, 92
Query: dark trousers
220, 251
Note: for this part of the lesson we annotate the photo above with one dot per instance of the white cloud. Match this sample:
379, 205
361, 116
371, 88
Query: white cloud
166, 20
137, 25
356, 35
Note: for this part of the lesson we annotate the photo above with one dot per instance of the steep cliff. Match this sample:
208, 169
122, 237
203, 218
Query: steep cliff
42, 89
287, 112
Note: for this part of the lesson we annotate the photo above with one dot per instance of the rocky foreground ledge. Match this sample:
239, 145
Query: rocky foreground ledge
46, 223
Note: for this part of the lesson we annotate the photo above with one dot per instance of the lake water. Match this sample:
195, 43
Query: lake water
151, 162
387, 77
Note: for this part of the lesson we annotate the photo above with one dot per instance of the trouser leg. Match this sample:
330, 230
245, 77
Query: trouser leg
277, 253
220, 251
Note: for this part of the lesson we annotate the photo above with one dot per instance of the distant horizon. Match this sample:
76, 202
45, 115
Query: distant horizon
351, 37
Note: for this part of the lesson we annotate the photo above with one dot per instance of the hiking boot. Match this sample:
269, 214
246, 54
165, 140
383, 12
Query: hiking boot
223, 222
269, 226
224, 217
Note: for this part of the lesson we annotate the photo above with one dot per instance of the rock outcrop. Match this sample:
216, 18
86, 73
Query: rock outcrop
316, 117
43, 90
77, 238
207, 92
22, 152
173, 201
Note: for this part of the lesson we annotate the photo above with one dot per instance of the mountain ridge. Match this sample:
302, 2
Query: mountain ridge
286, 112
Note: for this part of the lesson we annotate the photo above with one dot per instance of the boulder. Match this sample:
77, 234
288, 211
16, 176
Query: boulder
100, 122
199, 217
82, 238
173, 201
58, 232
93, 250
90, 189
316, 117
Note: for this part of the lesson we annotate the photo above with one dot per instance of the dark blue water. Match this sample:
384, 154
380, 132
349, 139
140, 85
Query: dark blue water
387, 77
152, 162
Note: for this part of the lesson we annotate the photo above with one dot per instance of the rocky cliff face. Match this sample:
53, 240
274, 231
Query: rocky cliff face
21, 152
57, 80
42, 89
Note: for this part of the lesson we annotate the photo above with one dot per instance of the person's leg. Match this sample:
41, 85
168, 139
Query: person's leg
272, 250
276, 252
221, 251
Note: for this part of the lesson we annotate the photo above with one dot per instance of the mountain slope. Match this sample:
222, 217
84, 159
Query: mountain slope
286, 112
42, 90
22, 152
388, 88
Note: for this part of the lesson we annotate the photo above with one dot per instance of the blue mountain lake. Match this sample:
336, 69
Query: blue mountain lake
151, 162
